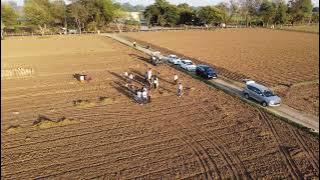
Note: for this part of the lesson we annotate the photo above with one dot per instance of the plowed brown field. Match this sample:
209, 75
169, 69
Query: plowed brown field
53, 126
274, 58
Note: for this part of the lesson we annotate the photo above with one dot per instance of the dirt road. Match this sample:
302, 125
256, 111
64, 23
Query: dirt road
285, 111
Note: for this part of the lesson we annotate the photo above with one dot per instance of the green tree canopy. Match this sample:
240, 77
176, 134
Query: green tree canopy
281, 13
210, 15
227, 10
162, 13
299, 10
79, 13
267, 11
8, 15
38, 12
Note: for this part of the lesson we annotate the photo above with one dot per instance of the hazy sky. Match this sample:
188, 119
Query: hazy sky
190, 2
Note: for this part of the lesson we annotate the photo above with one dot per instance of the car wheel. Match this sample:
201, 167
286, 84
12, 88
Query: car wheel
264, 104
246, 96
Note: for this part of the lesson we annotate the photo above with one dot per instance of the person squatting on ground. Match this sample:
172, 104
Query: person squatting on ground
125, 74
155, 82
130, 78
145, 95
175, 79
180, 89
138, 97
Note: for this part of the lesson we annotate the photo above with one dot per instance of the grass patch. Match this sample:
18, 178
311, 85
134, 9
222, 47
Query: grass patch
301, 28
107, 100
14, 129
43, 37
45, 123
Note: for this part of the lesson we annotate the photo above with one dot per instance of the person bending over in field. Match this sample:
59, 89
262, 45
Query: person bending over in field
149, 76
130, 78
138, 97
125, 74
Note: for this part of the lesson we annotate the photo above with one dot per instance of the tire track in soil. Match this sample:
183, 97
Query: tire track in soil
90, 147
310, 156
197, 148
291, 166
232, 157
226, 158
95, 164
204, 165
189, 161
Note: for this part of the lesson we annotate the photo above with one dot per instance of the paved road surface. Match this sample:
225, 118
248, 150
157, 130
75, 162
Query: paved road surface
285, 111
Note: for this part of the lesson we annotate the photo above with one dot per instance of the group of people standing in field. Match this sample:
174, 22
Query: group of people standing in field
143, 95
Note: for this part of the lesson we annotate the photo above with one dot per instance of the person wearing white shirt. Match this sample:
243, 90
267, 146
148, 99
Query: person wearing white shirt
130, 78
139, 97
145, 96
149, 74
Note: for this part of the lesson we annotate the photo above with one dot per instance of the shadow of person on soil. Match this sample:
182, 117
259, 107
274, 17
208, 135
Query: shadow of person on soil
40, 119
76, 76
123, 89
118, 76
161, 89
167, 81
138, 76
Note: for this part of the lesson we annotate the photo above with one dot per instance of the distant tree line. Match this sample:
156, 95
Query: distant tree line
257, 12
95, 14
47, 14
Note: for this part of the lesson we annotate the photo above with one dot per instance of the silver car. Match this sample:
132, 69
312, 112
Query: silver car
261, 94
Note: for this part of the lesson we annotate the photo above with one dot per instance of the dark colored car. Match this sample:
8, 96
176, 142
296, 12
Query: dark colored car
206, 71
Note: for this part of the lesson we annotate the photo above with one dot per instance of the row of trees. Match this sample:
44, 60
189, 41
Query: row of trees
42, 14
95, 14
263, 12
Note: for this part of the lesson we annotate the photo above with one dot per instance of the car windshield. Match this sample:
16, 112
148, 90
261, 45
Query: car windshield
188, 63
208, 69
268, 93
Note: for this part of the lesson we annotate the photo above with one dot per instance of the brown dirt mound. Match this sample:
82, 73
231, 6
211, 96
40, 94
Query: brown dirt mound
44, 123
14, 129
